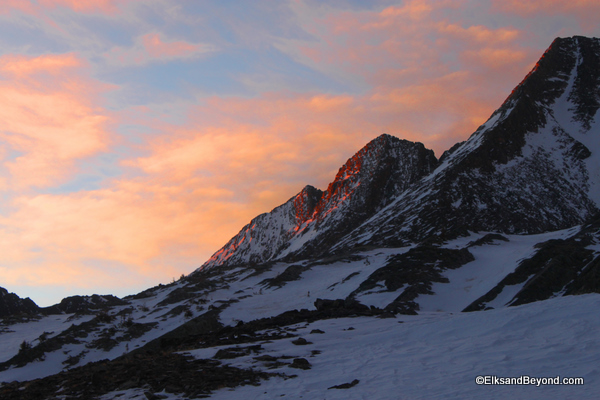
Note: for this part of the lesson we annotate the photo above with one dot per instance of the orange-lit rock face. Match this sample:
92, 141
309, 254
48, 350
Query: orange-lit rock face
311, 220
304, 204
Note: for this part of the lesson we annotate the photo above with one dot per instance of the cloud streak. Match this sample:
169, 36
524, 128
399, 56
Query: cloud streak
108, 7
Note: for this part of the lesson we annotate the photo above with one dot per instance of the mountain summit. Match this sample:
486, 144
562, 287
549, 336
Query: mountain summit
314, 220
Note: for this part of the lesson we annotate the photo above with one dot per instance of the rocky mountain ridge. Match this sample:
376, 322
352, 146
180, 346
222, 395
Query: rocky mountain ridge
531, 168
312, 221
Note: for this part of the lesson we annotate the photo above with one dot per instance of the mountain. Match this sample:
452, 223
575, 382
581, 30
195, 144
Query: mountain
358, 291
312, 221
531, 168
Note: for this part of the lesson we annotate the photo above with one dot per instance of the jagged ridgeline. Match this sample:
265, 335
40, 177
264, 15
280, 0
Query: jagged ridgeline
533, 167
312, 222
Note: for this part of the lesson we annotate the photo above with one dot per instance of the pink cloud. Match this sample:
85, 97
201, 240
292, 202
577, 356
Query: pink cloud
88, 6
156, 48
6, 6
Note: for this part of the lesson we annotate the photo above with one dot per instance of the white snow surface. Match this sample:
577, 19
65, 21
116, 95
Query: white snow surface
12, 336
493, 262
434, 355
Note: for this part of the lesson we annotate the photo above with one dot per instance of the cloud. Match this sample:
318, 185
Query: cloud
585, 11
87, 6
6, 6
152, 48
420, 73
48, 118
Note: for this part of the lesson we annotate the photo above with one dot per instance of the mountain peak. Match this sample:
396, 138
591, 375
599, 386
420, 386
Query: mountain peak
313, 220
531, 168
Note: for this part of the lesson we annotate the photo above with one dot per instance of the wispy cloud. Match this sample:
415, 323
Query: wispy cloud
151, 47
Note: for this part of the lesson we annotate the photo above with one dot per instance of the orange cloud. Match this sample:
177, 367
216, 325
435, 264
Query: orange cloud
480, 33
48, 116
422, 71
22, 66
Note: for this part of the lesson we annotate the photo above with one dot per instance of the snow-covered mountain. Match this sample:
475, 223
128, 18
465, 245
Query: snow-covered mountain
533, 167
357, 291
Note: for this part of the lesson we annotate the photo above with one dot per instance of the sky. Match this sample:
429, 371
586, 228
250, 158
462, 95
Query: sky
137, 137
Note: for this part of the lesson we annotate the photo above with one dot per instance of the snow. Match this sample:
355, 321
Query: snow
436, 354
562, 113
326, 281
492, 263
12, 336
439, 355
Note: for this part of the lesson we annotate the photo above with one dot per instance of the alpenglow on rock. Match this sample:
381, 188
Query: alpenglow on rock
312, 221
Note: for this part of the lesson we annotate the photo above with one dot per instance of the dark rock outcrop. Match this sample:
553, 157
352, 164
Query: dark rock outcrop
13, 305
85, 304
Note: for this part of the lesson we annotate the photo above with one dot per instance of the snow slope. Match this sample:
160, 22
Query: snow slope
434, 356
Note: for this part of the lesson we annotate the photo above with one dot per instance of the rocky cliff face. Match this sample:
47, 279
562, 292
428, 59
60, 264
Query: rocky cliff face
312, 221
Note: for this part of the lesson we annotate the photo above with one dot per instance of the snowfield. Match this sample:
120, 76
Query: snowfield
433, 355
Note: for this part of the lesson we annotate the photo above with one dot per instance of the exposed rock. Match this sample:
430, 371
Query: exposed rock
301, 342
173, 373
13, 305
85, 304
346, 385
300, 363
